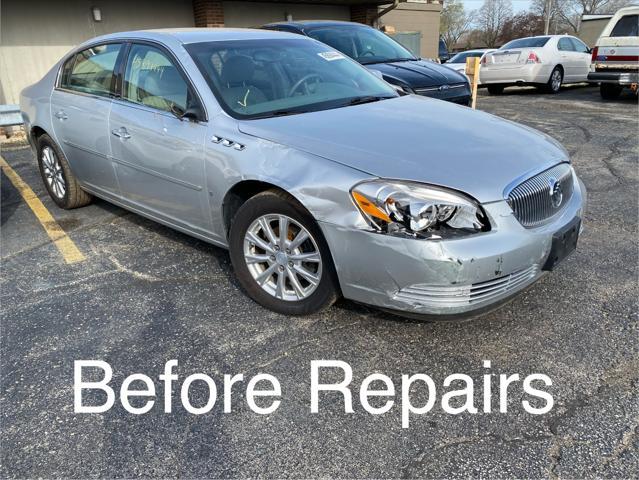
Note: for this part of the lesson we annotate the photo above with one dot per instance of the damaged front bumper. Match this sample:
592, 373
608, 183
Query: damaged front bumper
458, 277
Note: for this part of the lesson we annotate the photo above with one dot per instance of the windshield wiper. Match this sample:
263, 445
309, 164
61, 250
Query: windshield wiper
390, 60
368, 99
278, 113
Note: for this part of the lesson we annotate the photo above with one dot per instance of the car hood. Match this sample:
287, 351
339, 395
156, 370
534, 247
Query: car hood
420, 139
418, 73
458, 67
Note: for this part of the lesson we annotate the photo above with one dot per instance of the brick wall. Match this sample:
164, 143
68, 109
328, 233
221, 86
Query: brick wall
363, 14
208, 13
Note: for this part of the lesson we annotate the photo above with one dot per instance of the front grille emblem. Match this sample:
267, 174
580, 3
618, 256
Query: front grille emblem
444, 87
556, 193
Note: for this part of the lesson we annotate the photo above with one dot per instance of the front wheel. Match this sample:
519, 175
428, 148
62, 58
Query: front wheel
610, 91
280, 256
555, 80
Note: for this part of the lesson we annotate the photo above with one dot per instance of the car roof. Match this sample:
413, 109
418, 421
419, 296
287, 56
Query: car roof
315, 23
629, 10
196, 35
476, 50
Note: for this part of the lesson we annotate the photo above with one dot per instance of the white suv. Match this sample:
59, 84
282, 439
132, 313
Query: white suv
615, 58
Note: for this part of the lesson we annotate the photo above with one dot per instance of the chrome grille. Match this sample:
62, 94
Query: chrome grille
460, 295
430, 90
532, 200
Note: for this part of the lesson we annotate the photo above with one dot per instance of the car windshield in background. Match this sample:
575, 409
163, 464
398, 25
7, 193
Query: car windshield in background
531, 42
265, 78
364, 44
627, 26
461, 57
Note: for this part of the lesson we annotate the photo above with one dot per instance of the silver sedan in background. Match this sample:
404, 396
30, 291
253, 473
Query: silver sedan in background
317, 175
458, 61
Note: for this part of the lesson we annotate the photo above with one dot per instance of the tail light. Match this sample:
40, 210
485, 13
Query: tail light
595, 51
533, 58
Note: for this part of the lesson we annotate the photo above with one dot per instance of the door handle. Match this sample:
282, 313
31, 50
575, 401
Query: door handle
121, 133
61, 115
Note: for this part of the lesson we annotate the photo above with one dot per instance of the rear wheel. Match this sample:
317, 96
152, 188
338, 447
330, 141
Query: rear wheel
495, 89
58, 179
610, 91
280, 256
555, 80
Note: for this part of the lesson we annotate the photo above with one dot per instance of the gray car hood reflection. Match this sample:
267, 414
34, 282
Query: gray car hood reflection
420, 139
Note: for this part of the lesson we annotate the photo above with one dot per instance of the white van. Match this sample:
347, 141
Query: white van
615, 58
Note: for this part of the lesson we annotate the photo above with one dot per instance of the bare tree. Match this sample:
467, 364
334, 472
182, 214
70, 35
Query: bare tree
491, 18
522, 24
454, 22
565, 15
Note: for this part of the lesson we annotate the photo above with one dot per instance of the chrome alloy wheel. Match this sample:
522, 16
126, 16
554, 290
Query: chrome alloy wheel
282, 257
555, 80
53, 172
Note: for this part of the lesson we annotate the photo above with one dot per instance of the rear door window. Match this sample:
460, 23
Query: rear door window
627, 26
91, 70
565, 45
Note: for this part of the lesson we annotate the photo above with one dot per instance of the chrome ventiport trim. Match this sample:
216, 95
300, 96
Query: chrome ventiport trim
228, 143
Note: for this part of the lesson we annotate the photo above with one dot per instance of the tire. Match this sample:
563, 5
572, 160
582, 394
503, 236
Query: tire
495, 89
610, 91
58, 179
554, 82
296, 294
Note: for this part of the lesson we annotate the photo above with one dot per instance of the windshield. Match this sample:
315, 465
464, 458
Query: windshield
531, 42
461, 57
271, 77
364, 44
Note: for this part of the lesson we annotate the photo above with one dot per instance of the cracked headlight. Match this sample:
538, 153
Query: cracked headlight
418, 210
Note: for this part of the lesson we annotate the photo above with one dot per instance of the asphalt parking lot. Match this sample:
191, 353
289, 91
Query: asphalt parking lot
146, 294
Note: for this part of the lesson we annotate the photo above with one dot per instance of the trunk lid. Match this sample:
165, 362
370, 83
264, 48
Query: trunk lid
510, 58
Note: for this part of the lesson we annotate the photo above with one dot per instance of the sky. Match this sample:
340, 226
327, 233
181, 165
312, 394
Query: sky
518, 5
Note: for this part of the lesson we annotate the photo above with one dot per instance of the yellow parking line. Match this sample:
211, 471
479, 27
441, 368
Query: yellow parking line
65, 245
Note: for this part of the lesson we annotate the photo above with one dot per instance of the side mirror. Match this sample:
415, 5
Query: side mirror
193, 113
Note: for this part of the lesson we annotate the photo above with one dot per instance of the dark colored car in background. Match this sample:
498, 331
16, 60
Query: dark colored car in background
443, 54
377, 51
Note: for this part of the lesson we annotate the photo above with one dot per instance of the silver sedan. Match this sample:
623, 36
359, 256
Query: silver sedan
319, 177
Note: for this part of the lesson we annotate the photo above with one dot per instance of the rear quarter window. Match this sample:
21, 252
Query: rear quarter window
627, 26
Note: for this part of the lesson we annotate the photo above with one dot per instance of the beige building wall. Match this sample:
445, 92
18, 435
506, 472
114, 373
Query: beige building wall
34, 34
417, 17
255, 14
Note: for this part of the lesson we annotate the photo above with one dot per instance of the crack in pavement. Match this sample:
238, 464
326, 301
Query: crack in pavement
613, 378
624, 444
